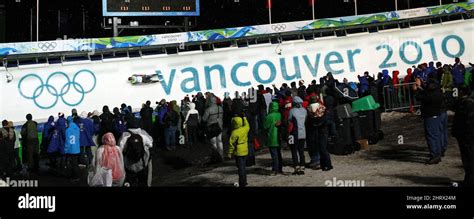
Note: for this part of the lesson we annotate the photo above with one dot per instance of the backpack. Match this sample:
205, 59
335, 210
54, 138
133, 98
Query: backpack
134, 150
193, 120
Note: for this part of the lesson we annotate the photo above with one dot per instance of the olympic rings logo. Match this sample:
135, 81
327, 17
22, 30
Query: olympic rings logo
47, 46
279, 27
57, 93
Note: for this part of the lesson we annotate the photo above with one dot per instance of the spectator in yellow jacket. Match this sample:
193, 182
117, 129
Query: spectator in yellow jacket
238, 146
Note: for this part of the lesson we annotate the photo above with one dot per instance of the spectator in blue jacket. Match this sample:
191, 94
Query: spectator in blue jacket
61, 126
386, 79
86, 127
425, 72
458, 73
364, 84
417, 72
431, 68
124, 110
119, 123
72, 147
56, 142
161, 109
47, 131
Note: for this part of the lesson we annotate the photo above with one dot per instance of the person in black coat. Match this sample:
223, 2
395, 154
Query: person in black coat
227, 107
463, 124
146, 114
439, 71
301, 90
261, 106
200, 102
312, 87
432, 103
106, 123
7, 144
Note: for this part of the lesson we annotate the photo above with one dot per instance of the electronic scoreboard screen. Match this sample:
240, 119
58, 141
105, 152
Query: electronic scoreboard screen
121, 8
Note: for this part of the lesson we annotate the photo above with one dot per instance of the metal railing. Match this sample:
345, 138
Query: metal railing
399, 97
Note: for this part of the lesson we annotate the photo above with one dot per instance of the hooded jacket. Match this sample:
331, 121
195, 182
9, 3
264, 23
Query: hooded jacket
213, 113
409, 77
238, 141
192, 110
73, 136
162, 110
395, 80
447, 79
364, 84
287, 105
268, 100
147, 144
270, 125
298, 116
285, 100
386, 79
86, 126
57, 137
61, 125
109, 156
48, 131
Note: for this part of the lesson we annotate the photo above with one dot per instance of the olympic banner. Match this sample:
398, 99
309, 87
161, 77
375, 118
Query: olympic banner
45, 91
97, 44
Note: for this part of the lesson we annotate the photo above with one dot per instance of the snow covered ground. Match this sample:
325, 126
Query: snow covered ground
384, 164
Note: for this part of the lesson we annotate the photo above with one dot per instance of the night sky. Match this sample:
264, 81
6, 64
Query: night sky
65, 17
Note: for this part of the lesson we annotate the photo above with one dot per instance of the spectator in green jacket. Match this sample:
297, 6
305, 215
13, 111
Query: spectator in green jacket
446, 79
271, 125
238, 146
468, 78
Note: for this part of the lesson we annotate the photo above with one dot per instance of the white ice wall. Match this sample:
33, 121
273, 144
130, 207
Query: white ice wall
347, 56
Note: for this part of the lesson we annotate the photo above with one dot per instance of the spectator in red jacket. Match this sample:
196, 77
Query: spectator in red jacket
409, 77
395, 80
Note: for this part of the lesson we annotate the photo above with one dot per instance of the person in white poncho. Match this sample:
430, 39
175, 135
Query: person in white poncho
139, 171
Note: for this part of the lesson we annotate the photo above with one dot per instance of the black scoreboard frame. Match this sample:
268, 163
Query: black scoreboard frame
107, 13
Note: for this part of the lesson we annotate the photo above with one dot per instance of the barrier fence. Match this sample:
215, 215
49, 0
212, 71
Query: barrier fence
399, 97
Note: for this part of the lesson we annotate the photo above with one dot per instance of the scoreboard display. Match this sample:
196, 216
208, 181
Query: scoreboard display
122, 8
